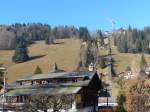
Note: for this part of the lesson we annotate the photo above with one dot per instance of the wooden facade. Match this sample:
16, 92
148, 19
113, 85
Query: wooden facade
87, 96
90, 93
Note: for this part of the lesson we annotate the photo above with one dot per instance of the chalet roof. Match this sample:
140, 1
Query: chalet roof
43, 91
51, 88
50, 85
58, 75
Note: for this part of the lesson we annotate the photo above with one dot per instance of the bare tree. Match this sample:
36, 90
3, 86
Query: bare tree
88, 54
55, 103
138, 98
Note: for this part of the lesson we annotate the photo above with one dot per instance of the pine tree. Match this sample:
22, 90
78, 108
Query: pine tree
21, 50
145, 47
99, 37
88, 54
38, 70
49, 36
143, 62
1, 78
113, 71
121, 100
84, 34
128, 68
133, 41
102, 63
46, 39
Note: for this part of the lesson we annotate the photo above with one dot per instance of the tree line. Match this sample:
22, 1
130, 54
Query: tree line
38, 31
133, 40
46, 33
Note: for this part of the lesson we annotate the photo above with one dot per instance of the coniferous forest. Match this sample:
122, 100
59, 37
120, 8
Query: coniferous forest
133, 40
9, 34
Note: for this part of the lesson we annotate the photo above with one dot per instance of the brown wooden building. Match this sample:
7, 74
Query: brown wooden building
83, 87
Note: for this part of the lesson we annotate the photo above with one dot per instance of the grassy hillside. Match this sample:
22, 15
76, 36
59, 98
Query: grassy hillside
64, 53
122, 60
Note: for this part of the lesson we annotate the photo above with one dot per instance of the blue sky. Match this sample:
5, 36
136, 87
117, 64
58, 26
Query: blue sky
90, 13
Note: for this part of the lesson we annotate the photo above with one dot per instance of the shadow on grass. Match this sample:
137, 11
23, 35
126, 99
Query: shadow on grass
58, 43
107, 55
114, 65
36, 57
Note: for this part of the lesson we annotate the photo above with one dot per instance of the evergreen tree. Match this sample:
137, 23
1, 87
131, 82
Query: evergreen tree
1, 78
88, 54
21, 50
120, 101
128, 68
145, 46
84, 34
133, 40
138, 46
46, 38
38, 70
102, 63
113, 71
99, 37
143, 62
49, 36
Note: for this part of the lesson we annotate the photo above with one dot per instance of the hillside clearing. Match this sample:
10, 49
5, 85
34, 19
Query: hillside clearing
122, 60
64, 53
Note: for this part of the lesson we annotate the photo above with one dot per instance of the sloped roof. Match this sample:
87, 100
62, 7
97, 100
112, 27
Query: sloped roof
43, 91
51, 88
50, 85
58, 75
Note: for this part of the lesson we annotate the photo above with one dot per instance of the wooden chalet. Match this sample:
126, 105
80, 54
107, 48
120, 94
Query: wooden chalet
83, 87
